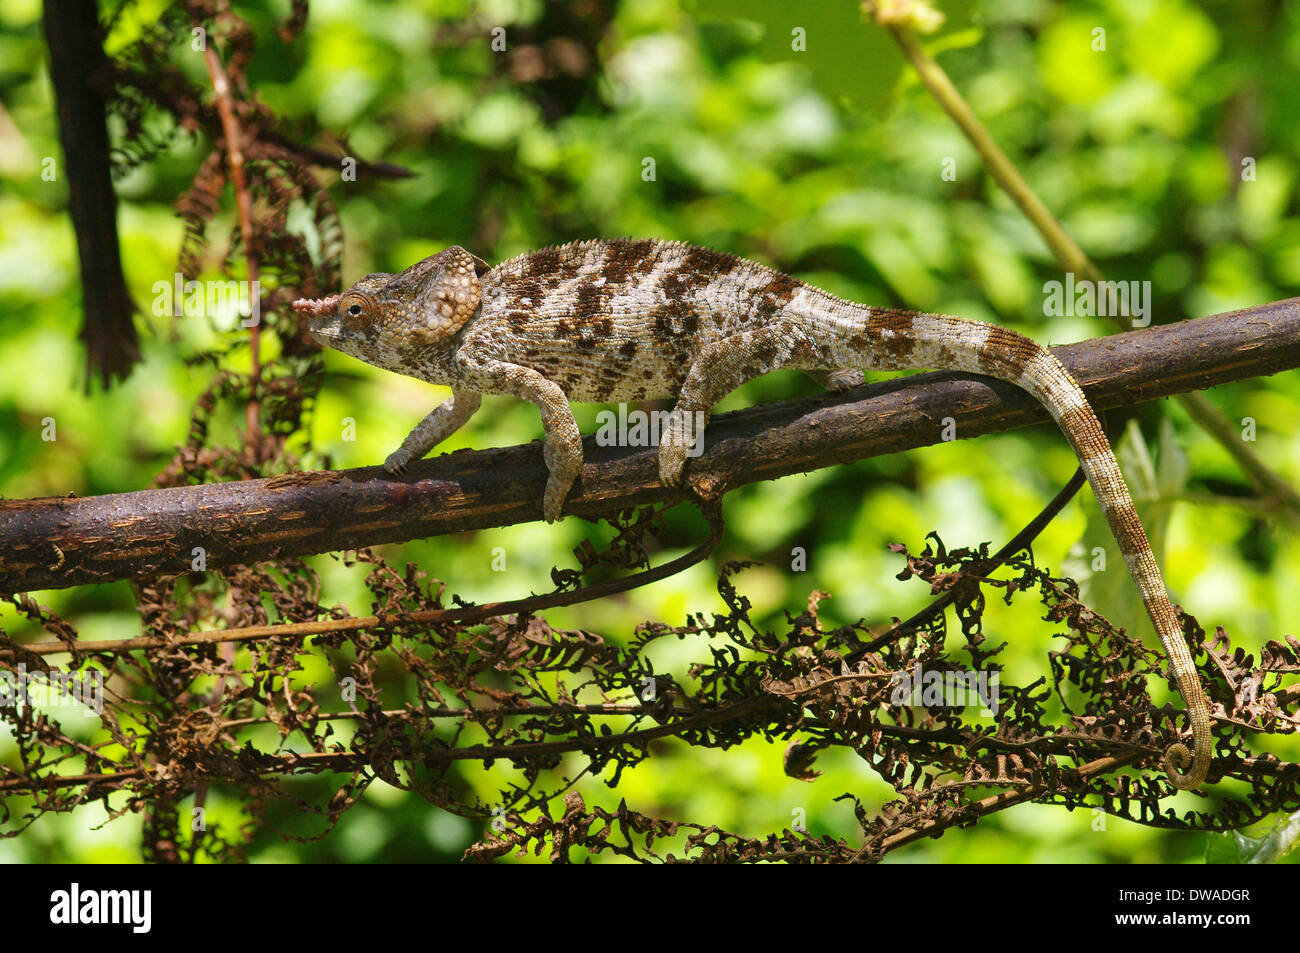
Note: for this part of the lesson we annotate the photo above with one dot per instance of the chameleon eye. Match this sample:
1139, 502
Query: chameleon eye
356, 309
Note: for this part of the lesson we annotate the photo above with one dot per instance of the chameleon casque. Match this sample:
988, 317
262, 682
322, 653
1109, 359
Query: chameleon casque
630, 320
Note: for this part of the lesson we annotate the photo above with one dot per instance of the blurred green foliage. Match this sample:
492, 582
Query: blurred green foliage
825, 162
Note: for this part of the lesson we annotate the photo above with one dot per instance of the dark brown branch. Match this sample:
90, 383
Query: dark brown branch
427, 617
1014, 545
57, 542
76, 59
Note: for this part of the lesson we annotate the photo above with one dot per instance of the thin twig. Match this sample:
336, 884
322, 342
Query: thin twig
1068, 253
990, 805
1014, 545
244, 207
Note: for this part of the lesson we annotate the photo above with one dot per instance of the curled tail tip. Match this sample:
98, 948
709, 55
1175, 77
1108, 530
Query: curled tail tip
1177, 756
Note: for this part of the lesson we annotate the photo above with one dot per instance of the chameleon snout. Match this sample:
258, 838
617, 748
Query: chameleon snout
318, 312
316, 307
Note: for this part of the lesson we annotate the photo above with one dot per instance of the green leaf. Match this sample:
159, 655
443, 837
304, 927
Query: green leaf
1233, 847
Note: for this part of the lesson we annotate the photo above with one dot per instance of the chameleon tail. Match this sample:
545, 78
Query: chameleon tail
907, 339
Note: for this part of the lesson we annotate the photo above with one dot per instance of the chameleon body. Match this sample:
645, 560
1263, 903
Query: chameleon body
629, 320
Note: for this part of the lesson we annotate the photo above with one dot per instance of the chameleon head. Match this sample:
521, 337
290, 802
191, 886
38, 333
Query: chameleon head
383, 318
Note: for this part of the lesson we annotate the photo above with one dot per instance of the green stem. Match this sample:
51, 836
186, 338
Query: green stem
1071, 257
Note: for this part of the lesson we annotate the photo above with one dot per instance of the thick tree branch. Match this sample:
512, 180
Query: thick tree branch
58, 542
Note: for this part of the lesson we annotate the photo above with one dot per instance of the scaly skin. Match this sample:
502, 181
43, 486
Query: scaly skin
630, 320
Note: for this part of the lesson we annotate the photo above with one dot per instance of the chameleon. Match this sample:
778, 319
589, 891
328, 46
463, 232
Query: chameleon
637, 319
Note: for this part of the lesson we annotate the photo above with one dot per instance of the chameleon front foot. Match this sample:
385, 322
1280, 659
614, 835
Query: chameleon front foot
398, 461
